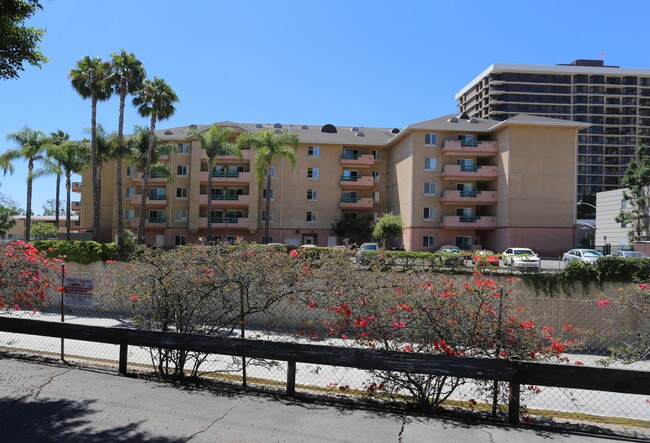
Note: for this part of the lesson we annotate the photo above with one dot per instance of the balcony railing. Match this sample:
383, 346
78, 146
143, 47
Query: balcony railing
226, 177
76, 187
224, 222
470, 147
356, 203
473, 197
357, 181
356, 160
468, 222
225, 173
454, 172
225, 200
152, 200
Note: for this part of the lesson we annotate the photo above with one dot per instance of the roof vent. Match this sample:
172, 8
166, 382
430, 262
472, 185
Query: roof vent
259, 126
453, 120
355, 129
394, 131
277, 126
473, 120
193, 127
277, 131
329, 129
304, 127
360, 134
463, 116
168, 132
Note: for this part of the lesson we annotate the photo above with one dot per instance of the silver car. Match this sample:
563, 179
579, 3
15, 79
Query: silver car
583, 255
628, 254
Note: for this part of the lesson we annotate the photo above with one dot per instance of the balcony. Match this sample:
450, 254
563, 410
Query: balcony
468, 222
153, 178
464, 172
159, 201
357, 161
245, 157
479, 149
227, 177
225, 201
151, 222
365, 182
224, 222
356, 203
469, 197
76, 187
75, 206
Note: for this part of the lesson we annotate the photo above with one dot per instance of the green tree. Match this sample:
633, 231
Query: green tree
137, 152
268, 147
74, 157
19, 43
388, 225
128, 75
91, 79
7, 220
44, 231
31, 147
155, 100
57, 139
356, 230
637, 181
49, 208
217, 141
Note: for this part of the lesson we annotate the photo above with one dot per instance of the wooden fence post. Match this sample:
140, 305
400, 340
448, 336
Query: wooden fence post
291, 378
514, 399
124, 353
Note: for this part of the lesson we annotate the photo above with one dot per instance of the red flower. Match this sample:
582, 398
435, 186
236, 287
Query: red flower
312, 304
293, 253
566, 327
134, 298
603, 302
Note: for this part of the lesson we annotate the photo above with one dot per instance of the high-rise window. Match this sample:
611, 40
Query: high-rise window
431, 139
312, 173
312, 194
429, 213
183, 148
429, 188
430, 164
312, 217
313, 151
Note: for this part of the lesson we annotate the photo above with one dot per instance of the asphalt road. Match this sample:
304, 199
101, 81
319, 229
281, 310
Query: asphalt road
43, 402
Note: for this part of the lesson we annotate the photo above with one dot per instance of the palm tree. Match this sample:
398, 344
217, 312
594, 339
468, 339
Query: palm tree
268, 147
73, 157
32, 146
217, 141
106, 147
156, 100
137, 152
57, 138
127, 79
91, 79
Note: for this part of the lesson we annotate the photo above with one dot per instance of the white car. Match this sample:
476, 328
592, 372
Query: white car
522, 259
628, 254
583, 255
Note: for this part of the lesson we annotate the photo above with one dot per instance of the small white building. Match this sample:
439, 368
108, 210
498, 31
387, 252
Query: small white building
608, 205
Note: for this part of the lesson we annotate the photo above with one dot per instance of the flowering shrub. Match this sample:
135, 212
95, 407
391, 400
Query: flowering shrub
25, 275
417, 312
636, 342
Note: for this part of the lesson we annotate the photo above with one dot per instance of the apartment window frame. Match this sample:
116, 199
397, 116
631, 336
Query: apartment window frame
271, 194
429, 189
429, 213
376, 175
182, 192
129, 214
180, 240
431, 139
376, 154
129, 192
182, 170
376, 195
311, 217
181, 215
429, 241
272, 172
129, 170
430, 163
313, 173
182, 148
312, 194
271, 216
313, 151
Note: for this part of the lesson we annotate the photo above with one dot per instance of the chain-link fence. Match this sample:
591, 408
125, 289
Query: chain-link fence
594, 328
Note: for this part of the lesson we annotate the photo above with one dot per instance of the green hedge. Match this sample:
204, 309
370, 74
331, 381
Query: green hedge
83, 252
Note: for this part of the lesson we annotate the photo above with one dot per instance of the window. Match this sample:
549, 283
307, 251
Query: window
130, 169
129, 192
312, 173
376, 154
312, 217
181, 214
180, 240
349, 216
312, 194
430, 139
429, 213
623, 204
466, 138
181, 170
272, 171
270, 216
271, 194
430, 164
183, 148
313, 151
157, 194
429, 188
376, 175
181, 192
129, 214
375, 196
428, 241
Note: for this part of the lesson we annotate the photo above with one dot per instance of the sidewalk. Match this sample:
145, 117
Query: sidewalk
40, 402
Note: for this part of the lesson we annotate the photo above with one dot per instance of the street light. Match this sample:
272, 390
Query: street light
580, 202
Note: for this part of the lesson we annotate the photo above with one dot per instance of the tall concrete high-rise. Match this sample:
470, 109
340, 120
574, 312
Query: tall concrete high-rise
614, 100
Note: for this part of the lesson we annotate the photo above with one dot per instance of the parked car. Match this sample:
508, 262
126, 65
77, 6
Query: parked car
583, 255
485, 257
628, 254
450, 255
523, 259
369, 247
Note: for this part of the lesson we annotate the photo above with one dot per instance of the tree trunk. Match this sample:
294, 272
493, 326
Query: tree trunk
67, 206
28, 216
147, 171
118, 183
93, 143
208, 231
57, 201
267, 204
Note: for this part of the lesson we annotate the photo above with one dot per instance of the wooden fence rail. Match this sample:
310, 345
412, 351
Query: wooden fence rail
514, 372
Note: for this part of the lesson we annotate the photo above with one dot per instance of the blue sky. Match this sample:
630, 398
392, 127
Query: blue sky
362, 63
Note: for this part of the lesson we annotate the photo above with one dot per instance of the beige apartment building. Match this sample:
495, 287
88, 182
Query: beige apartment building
454, 180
